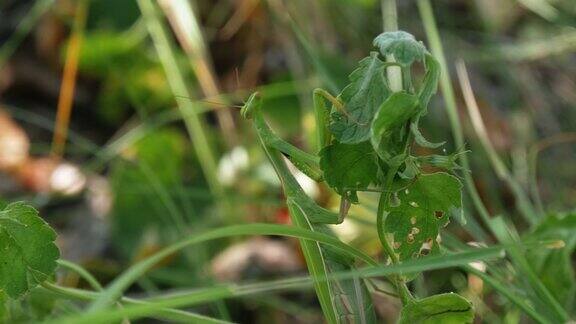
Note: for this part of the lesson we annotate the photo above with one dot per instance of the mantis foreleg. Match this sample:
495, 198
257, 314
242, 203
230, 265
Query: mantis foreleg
323, 135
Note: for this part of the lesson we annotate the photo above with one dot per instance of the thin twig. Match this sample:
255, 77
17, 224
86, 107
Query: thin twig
194, 121
67, 88
184, 22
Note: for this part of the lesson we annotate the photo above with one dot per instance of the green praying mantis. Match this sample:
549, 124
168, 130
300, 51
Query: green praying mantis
342, 301
364, 143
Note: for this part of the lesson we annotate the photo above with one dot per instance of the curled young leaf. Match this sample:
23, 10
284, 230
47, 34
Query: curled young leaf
438, 309
420, 139
367, 90
423, 209
430, 83
402, 45
349, 167
387, 134
27, 247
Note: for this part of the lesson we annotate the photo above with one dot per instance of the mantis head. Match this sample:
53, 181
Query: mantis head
252, 104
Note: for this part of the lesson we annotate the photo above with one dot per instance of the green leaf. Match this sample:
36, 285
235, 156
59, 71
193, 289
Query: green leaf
386, 134
438, 309
349, 168
3, 307
405, 48
554, 265
367, 90
28, 251
413, 223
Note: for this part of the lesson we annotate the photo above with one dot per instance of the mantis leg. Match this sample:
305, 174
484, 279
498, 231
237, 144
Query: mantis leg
323, 135
271, 144
321, 116
305, 162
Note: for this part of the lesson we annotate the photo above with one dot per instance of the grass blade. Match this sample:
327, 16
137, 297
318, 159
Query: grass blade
194, 122
115, 290
204, 295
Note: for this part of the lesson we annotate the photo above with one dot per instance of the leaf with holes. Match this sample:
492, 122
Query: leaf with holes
349, 168
438, 309
28, 251
367, 90
422, 209
402, 45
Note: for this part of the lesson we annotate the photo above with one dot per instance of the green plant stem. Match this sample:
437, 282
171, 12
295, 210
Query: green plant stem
394, 73
403, 291
194, 121
82, 272
406, 79
390, 23
389, 15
